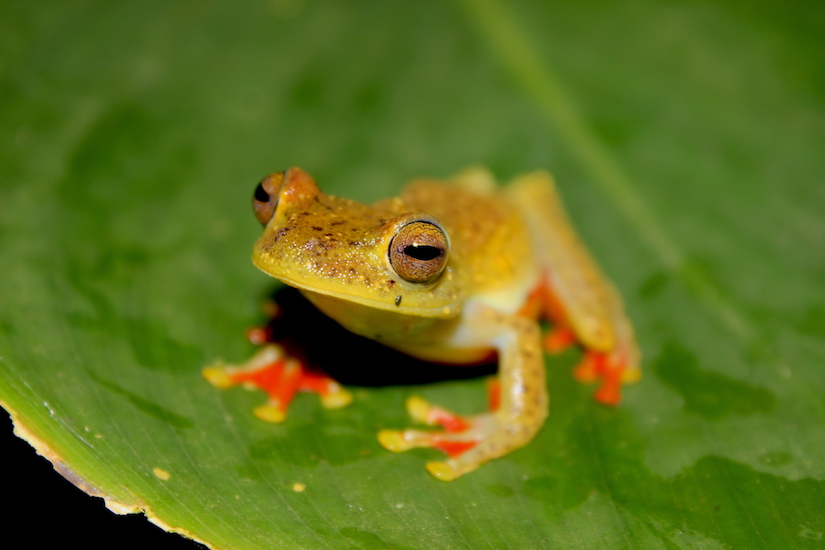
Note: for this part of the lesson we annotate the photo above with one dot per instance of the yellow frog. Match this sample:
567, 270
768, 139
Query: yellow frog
450, 272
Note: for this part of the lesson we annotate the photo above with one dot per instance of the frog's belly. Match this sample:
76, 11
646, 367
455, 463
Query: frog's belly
454, 340
448, 355
426, 338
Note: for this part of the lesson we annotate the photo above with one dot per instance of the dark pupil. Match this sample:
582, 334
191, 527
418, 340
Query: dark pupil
424, 253
260, 193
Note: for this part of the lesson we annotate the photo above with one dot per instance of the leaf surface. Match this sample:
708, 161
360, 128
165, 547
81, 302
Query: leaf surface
686, 139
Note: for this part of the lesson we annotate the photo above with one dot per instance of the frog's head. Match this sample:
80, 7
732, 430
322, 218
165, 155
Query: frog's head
382, 256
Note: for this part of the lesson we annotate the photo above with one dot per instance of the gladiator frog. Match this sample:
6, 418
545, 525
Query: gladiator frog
453, 272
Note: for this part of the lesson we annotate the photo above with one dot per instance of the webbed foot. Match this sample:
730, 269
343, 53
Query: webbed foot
610, 370
280, 376
468, 441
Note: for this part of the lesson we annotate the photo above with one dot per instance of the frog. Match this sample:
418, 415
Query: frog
455, 271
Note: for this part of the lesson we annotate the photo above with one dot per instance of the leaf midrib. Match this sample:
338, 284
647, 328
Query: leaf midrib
511, 44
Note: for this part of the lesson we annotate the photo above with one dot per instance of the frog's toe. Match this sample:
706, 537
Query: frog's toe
452, 444
559, 339
586, 370
424, 412
455, 467
270, 412
467, 455
399, 441
217, 375
608, 394
458, 433
419, 409
336, 398
610, 370
442, 471
631, 375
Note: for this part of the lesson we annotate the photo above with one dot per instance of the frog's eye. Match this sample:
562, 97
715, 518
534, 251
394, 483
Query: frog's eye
418, 251
265, 198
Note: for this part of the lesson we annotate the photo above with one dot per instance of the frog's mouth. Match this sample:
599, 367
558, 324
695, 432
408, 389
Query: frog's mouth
393, 304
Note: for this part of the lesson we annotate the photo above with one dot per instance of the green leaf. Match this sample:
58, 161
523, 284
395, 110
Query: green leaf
686, 138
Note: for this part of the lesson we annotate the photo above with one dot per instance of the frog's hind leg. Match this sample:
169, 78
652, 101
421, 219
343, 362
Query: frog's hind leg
574, 294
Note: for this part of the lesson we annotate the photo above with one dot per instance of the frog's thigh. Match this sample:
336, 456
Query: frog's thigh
577, 284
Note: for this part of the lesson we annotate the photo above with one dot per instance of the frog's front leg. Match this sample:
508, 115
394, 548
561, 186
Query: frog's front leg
519, 403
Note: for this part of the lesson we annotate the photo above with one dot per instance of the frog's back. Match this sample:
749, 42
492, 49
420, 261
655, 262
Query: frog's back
489, 243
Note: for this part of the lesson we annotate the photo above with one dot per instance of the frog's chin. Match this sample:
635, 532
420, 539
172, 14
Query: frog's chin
332, 299
373, 319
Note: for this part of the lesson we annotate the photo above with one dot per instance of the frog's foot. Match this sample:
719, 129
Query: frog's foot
280, 376
611, 370
468, 441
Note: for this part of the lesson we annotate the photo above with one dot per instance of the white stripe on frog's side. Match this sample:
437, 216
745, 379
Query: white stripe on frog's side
511, 299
